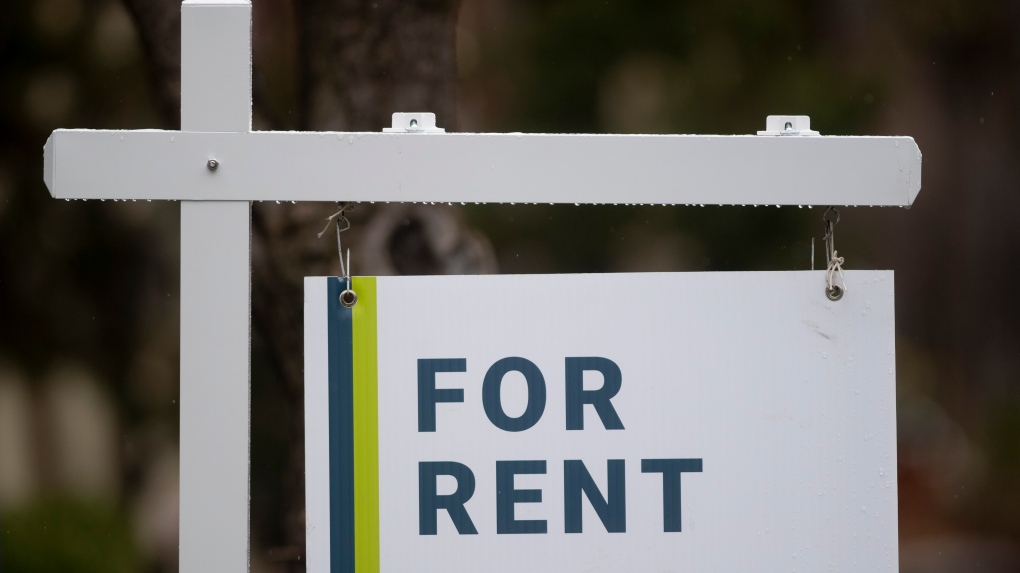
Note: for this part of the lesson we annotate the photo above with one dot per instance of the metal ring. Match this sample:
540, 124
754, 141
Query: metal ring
349, 298
835, 292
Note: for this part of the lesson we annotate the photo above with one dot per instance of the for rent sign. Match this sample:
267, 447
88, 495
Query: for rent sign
577, 423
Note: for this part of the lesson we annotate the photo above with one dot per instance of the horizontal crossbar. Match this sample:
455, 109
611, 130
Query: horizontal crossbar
483, 167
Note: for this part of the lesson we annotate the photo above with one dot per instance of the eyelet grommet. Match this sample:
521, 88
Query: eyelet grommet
835, 292
349, 298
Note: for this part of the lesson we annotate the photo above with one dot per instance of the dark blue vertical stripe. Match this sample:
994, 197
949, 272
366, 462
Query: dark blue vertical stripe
341, 431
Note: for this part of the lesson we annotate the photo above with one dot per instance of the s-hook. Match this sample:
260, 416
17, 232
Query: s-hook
834, 263
348, 297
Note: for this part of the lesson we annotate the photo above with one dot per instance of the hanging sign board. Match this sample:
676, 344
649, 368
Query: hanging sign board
601, 423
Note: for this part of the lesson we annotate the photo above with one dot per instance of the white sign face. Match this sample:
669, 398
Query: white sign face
601, 423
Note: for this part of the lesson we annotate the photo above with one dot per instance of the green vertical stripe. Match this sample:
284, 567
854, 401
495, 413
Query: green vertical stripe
366, 430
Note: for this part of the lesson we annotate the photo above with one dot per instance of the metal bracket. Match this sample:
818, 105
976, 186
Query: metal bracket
414, 123
788, 125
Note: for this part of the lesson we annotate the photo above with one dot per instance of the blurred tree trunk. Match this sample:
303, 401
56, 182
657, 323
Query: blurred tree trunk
363, 60
360, 61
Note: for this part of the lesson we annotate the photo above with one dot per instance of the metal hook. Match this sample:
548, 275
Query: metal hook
833, 290
341, 207
340, 251
348, 297
345, 270
827, 218
830, 228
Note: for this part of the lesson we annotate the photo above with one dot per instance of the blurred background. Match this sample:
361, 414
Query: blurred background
89, 290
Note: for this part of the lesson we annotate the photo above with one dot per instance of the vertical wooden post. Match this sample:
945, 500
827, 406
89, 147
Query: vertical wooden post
215, 299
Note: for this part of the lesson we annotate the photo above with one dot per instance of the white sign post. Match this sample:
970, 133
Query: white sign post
216, 165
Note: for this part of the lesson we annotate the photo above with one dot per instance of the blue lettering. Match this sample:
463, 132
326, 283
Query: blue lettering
671, 470
491, 394
429, 395
577, 396
612, 511
507, 496
429, 502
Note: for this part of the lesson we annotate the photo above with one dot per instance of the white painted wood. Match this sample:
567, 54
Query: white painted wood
215, 395
493, 168
216, 65
215, 301
316, 424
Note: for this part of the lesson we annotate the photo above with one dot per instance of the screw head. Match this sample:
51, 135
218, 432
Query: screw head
212, 164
